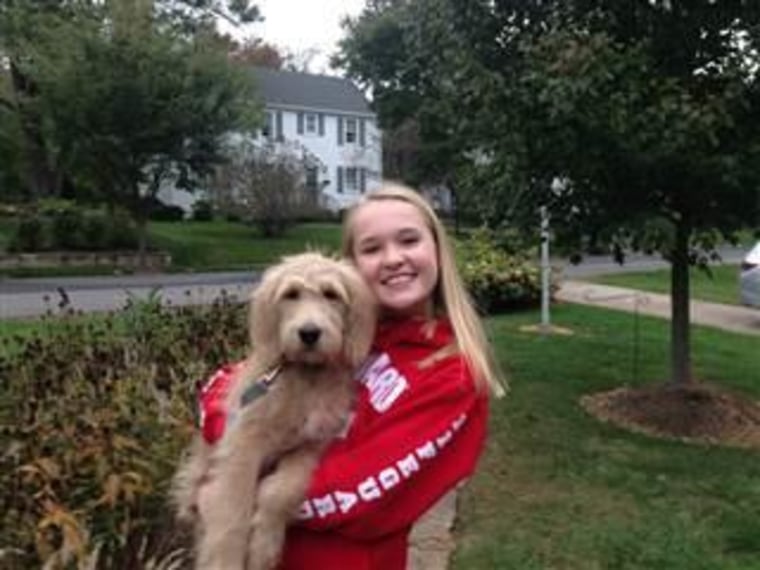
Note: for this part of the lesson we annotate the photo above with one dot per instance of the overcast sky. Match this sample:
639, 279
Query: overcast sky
301, 25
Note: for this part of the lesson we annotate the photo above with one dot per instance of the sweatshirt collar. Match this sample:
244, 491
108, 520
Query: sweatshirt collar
433, 333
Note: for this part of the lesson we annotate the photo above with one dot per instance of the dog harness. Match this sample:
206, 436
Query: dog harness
260, 386
212, 417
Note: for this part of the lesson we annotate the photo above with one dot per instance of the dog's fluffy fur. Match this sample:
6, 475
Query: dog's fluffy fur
315, 317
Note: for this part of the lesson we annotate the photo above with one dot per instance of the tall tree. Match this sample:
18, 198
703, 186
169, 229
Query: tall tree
259, 53
27, 32
380, 51
138, 108
645, 110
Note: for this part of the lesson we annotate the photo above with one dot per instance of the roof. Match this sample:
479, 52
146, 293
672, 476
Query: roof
296, 89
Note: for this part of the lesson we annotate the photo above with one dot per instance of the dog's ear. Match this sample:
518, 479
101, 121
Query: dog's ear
362, 316
262, 317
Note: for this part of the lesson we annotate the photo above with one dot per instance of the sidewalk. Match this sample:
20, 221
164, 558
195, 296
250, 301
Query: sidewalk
732, 318
431, 543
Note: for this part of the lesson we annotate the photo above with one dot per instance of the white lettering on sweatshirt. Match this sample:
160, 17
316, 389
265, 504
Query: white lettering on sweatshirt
384, 382
374, 486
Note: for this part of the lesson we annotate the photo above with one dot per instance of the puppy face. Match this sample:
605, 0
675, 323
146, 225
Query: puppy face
313, 310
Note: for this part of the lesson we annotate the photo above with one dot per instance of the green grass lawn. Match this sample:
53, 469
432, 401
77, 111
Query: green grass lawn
205, 246
721, 287
558, 490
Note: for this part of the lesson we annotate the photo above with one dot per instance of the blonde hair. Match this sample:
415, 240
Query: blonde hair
450, 296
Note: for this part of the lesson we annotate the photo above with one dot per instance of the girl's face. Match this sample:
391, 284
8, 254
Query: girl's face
395, 251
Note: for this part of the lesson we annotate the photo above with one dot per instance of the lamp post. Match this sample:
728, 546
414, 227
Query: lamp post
557, 187
545, 271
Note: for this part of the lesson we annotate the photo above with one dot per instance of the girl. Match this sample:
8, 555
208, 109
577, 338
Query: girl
420, 420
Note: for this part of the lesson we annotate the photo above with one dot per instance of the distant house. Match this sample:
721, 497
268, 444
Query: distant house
331, 118
328, 117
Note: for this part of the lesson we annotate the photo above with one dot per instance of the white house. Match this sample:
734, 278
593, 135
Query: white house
330, 118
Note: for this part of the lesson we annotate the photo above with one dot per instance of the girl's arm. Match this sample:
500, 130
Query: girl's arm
212, 402
410, 457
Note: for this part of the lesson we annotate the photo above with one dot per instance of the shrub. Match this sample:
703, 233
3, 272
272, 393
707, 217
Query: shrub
122, 231
94, 414
319, 214
29, 235
265, 185
166, 213
203, 211
67, 229
498, 281
95, 231
54, 206
10, 210
75, 229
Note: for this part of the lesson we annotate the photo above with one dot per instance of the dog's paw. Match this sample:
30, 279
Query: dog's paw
263, 560
324, 426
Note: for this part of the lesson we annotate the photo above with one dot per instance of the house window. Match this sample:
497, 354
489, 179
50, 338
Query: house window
311, 123
351, 131
312, 179
352, 178
268, 128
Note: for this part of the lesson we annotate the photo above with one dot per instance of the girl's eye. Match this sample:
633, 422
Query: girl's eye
369, 250
292, 295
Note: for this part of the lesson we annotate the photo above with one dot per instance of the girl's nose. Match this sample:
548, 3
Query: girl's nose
392, 256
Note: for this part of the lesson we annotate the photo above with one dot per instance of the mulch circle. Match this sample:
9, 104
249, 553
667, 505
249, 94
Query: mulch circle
698, 413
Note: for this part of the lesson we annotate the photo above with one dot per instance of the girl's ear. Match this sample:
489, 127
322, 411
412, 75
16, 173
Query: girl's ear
361, 319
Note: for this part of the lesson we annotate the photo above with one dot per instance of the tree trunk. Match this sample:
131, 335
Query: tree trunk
141, 212
38, 176
680, 319
142, 240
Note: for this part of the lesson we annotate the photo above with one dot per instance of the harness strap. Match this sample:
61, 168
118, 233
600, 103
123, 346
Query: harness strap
260, 386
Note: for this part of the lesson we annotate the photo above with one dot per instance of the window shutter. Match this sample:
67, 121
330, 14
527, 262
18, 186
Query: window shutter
321, 124
279, 127
362, 132
268, 126
340, 131
300, 123
339, 179
362, 180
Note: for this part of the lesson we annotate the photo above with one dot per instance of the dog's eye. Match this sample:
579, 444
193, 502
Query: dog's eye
330, 294
292, 294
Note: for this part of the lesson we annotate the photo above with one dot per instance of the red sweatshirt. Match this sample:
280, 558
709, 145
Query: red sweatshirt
417, 430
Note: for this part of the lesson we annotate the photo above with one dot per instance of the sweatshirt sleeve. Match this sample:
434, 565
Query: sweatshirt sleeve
411, 456
212, 398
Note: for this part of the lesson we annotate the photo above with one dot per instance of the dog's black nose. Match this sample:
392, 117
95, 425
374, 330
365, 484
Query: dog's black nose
309, 335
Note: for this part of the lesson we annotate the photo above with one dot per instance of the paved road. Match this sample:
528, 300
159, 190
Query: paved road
21, 298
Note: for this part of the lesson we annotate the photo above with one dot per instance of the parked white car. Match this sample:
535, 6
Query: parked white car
749, 278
